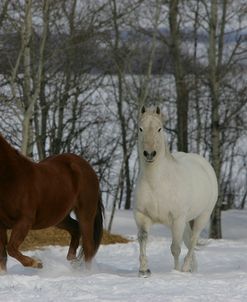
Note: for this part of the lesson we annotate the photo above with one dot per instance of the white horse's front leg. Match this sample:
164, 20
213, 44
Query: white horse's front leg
178, 227
144, 271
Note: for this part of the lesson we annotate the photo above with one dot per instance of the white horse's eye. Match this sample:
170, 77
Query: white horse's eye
140, 129
159, 130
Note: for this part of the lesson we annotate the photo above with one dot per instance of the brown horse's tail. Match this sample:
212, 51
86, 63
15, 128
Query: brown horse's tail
98, 225
88, 248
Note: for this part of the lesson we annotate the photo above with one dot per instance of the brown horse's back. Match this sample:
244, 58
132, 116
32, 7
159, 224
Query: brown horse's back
65, 182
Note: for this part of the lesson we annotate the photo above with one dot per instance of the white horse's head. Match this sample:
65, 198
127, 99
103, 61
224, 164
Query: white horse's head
150, 138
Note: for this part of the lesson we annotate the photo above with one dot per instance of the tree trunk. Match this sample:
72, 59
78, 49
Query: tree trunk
3, 12
243, 201
32, 86
116, 195
179, 74
40, 87
196, 84
40, 121
118, 60
215, 228
27, 89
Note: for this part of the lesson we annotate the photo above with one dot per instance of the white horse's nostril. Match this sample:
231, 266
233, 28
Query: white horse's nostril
149, 155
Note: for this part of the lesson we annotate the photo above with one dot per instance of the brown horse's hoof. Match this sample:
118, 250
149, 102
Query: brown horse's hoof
37, 263
3, 271
71, 257
2, 268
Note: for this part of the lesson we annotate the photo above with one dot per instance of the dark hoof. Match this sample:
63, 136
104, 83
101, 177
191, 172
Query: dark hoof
37, 263
71, 257
145, 274
3, 272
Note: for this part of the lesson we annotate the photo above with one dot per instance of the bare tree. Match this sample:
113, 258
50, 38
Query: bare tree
182, 92
221, 68
81, 71
215, 231
120, 60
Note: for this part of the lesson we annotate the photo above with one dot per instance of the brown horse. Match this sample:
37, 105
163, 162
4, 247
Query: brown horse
40, 195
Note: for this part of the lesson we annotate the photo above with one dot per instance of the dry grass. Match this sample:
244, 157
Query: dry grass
54, 236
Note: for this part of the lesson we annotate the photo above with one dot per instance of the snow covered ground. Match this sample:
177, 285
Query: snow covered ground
222, 270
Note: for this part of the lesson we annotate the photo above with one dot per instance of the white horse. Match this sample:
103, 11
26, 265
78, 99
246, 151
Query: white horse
171, 189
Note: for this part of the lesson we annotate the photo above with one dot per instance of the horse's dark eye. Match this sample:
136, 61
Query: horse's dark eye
141, 129
159, 130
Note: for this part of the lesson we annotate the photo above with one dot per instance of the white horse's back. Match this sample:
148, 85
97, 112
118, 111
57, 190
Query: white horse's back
172, 190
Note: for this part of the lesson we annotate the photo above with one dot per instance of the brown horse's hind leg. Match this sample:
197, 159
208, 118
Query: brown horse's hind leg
88, 246
3, 253
18, 234
71, 225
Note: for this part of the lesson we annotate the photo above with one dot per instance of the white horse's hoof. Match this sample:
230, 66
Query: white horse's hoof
145, 274
189, 268
190, 264
186, 269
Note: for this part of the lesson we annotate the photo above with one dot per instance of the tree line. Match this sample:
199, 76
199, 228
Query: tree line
74, 75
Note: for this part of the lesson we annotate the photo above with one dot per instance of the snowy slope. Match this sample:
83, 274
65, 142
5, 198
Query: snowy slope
222, 270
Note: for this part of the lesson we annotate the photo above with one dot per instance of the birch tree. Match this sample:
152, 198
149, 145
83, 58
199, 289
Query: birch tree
32, 72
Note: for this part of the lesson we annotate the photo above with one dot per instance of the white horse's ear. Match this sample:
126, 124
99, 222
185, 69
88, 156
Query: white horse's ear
158, 110
143, 109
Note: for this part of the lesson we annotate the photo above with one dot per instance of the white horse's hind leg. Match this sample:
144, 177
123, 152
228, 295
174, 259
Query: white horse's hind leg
189, 260
177, 228
199, 223
187, 240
